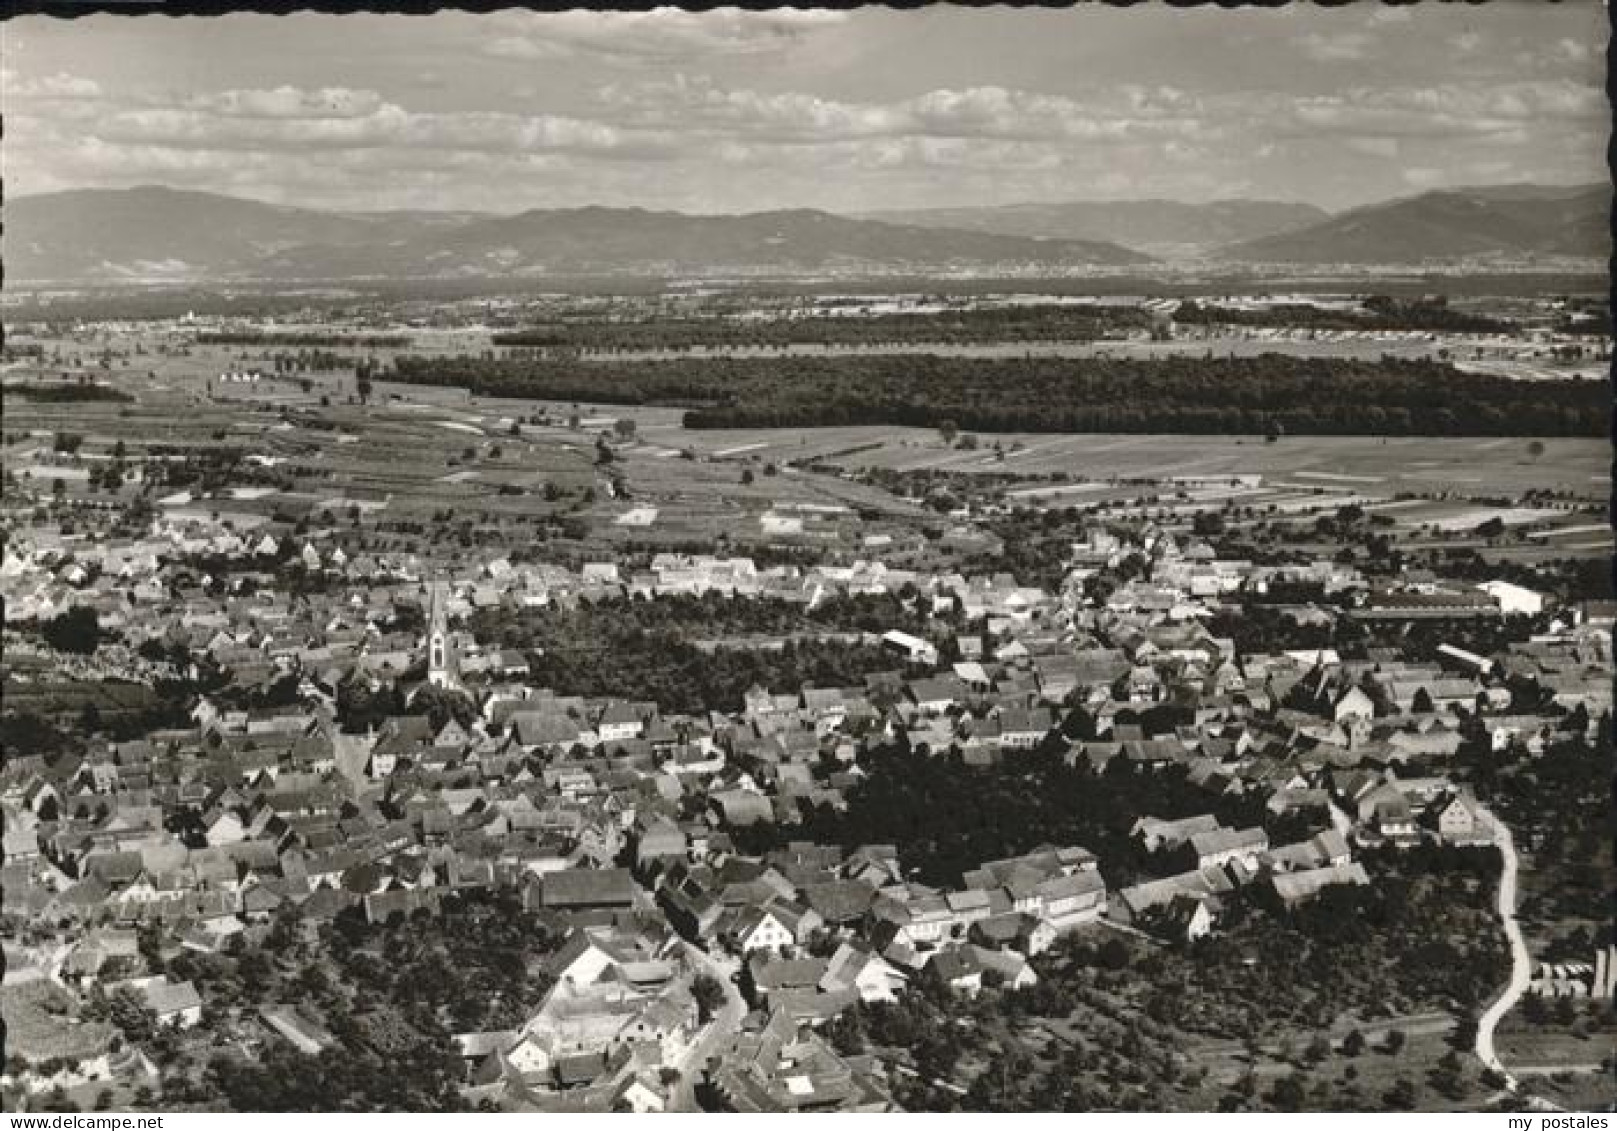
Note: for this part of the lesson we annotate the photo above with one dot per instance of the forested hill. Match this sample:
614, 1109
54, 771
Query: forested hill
1255, 395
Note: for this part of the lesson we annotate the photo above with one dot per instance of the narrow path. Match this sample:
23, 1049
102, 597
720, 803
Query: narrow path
723, 1025
1521, 963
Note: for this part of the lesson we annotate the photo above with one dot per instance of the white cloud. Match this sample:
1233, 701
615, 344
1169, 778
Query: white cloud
289, 102
1422, 176
48, 88
1336, 47
525, 50
1575, 50
1453, 110
660, 33
288, 120
976, 112
1374, 146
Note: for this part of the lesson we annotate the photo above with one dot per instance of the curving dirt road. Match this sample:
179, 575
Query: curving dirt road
1521, 963
712, 1037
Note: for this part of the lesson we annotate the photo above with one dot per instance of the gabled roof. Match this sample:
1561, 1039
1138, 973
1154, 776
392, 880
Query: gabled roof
588, 887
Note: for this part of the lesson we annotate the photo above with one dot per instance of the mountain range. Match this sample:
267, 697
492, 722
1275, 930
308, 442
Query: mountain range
1507, 220
1167, 227
153, 234
157, 233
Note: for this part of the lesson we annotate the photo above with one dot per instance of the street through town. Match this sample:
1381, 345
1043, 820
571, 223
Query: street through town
1521, 965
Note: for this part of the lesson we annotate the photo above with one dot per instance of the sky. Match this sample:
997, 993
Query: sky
845, 110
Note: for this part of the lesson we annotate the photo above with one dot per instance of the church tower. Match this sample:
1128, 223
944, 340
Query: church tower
443, 670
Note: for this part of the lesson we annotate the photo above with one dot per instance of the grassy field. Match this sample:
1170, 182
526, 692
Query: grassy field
1383, 466
1568, 1065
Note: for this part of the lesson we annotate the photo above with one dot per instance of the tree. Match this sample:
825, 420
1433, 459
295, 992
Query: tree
1353, 1043
948, 429
1288, 1093
746, 477
1114, 954
78, 630
1464, 1034
624, 427
1402, 1096
1535, 449
709, 995
129, 1013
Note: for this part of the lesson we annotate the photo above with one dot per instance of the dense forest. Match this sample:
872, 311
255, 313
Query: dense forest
295, 340
1378, 312
1268, 394
994, 324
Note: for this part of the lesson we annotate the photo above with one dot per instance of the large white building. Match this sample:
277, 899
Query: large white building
1514, 599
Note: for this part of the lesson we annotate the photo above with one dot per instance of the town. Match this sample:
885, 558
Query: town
951, 558
602, 826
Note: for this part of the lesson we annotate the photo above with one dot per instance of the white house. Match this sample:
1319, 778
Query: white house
912, 648
1514, 599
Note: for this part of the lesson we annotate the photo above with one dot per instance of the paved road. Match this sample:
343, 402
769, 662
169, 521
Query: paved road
1521, 963
720, 1029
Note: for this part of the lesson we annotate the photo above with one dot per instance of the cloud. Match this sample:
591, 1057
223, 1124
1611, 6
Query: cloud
1374, 146
287, 120
289, 102
1386, 14
48, 88
1422, 176
659, 34
1336, 47
1453, 110
524, 50
1332, 107
1574, 50
986, 112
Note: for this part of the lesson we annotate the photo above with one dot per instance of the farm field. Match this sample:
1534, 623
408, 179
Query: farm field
415, 451
1368, 464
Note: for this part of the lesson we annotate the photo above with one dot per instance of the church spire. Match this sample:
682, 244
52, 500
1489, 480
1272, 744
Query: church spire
443, 670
